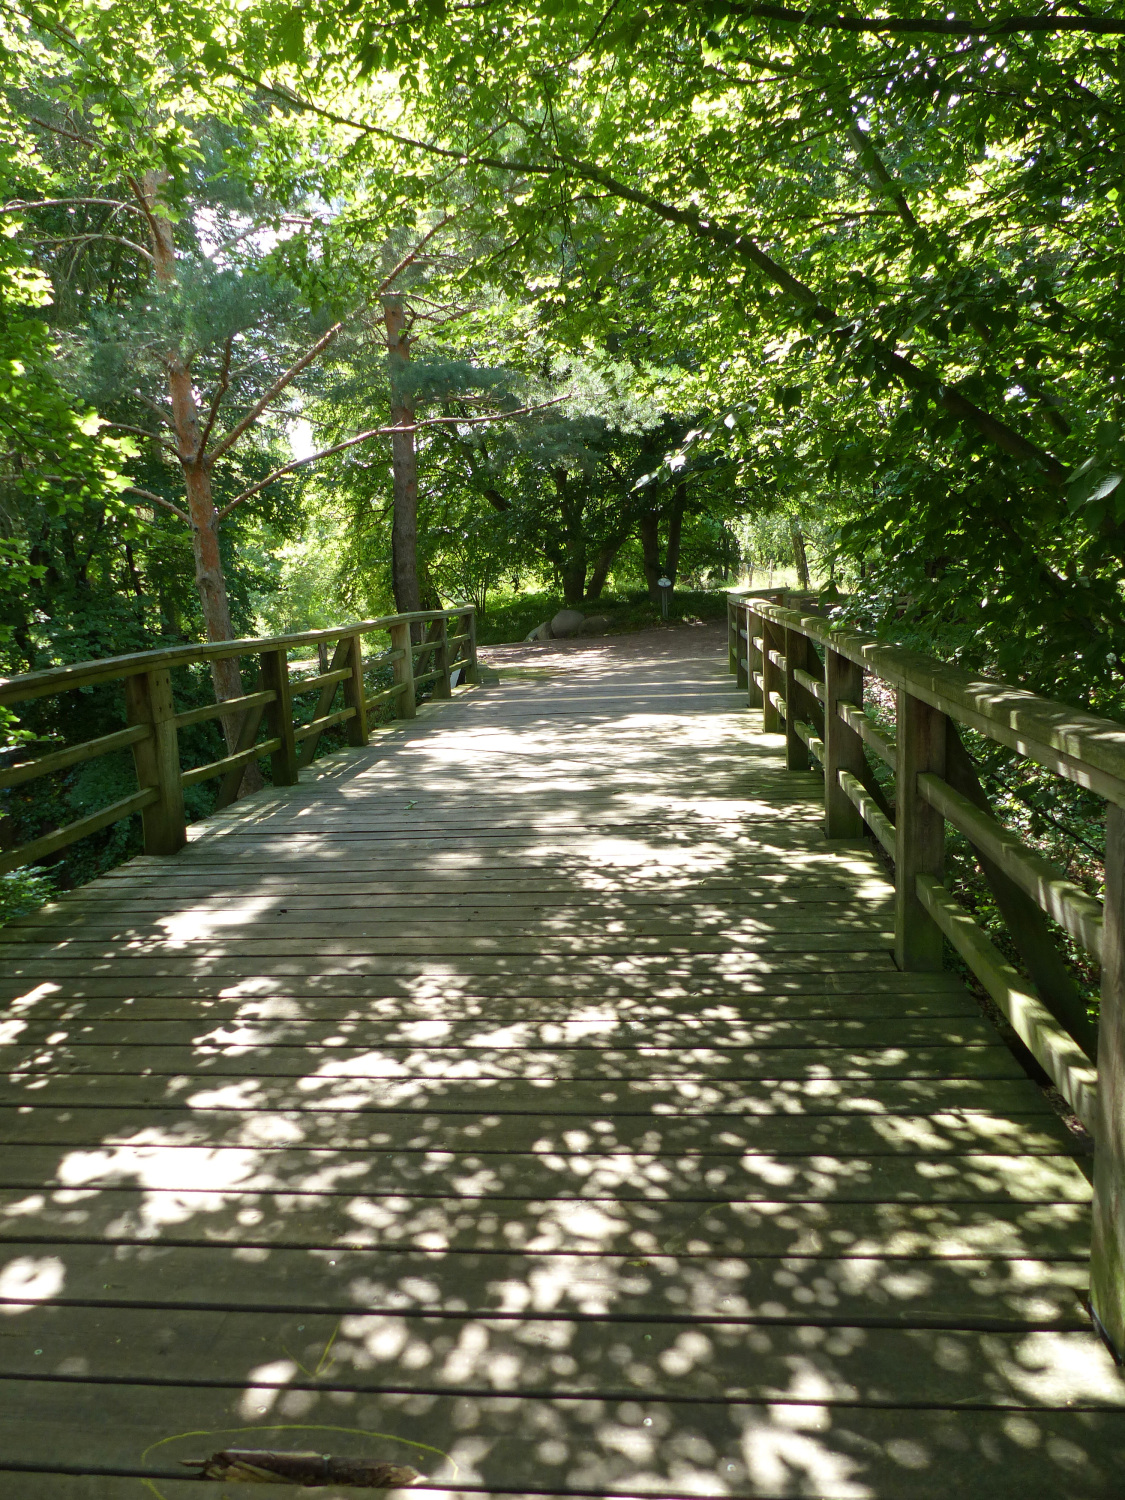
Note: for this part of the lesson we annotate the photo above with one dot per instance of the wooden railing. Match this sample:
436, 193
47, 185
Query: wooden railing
154, 723
807, 678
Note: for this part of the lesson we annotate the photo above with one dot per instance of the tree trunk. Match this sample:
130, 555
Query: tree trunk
800, 556
602, 564
648, 528
675, 531
573, 504
404, 464
209, 577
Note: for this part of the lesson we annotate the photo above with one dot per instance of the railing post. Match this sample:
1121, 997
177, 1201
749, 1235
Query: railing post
279, 717
1107, 1261
443, 687
148, 700
472, 670
796, 655
754, 626
919, 832
843, 748
741, 660
355, 694
771, 677
403, 669
732, 637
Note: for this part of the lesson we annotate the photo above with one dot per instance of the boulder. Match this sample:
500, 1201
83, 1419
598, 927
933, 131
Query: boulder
566, 622
594, 625
540, 633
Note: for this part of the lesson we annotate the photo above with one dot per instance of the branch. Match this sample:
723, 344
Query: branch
17, 206
374, 432
157, 500
153, 437
83, 239
220, 391
903, 368
1047, 21
68, 135
317, 349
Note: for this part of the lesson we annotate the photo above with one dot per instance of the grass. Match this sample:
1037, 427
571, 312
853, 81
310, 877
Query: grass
513, 618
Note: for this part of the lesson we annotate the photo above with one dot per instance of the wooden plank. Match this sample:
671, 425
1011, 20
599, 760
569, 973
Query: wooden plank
440, 1353
763, 1227
598, 1446
427, 1061
847, 1291
965, 1132
562, 1173
720, 1035
641, 1095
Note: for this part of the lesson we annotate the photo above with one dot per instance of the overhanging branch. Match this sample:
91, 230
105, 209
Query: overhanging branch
374, 432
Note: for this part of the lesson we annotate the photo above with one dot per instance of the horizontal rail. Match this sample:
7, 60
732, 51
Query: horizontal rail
883, 746
75, 755
310, 684
51, 843
229, 762
810, 683
316, 726
227, 706
425, 677
386, 693
1054, 1049
30, 685
808, 734
464, 636
1075, 911
869, 810
425, 646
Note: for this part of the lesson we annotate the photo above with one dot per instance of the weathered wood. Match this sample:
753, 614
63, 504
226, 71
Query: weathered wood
843, 748
1060, 1056
230, 764
405, 706
61, 838
1069, 905
856, 719
598, 1446
75, 755
224, 706
1036, 944
586, 1071
338, 670
472, 667
1107, 1264
29, 685
851, 1290
919, 832
279, 718
754, 628
797, 650
1080, 746
773, 681
148, 701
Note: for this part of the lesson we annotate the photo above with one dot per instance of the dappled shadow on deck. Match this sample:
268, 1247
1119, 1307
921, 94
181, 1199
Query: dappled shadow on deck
533, 1099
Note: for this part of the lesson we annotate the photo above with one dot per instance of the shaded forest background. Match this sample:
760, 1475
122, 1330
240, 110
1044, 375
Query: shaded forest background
643, 291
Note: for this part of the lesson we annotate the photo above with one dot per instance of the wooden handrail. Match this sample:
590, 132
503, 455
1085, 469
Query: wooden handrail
935, 785
154, 723
84, 673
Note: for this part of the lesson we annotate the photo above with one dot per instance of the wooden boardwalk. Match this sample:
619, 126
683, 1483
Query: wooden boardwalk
531, 1098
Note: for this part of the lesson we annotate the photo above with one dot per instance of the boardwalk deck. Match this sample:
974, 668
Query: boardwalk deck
532, 1098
